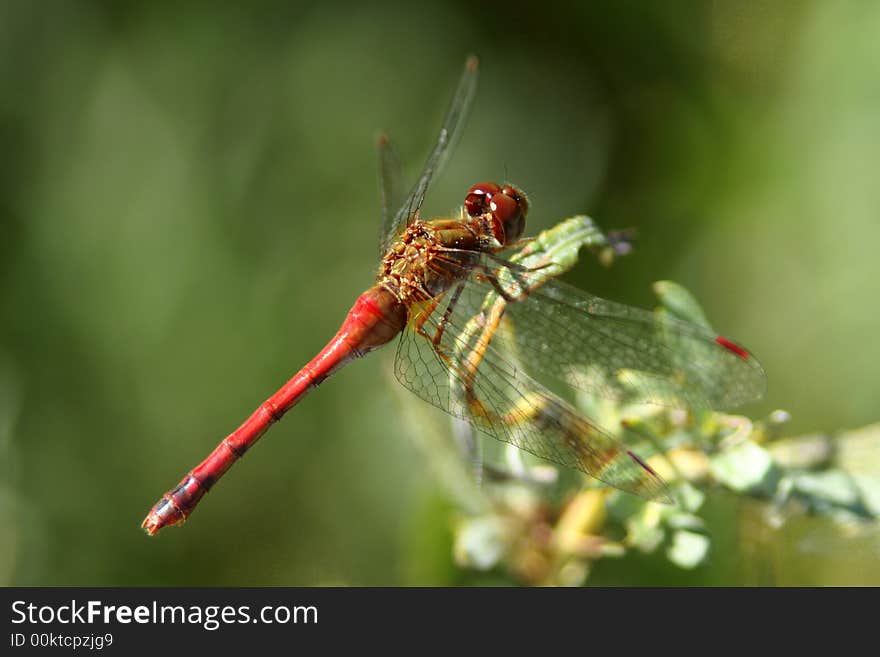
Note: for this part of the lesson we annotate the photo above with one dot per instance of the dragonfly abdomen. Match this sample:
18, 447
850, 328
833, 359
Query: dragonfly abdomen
375, 319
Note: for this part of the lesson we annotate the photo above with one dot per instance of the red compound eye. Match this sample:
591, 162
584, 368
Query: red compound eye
475, 204
503, 207
509, 207
487, 188
508, 222
518, 196
476, 201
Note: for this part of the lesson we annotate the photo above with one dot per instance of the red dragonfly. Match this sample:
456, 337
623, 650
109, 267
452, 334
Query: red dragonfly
475, 328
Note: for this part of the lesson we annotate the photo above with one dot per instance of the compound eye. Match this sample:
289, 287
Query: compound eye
487, 188
476, 201
509, 215
503, 208
475, 204
518, 196
508, 218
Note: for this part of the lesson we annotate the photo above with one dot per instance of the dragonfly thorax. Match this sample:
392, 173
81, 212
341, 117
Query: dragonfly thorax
429, 257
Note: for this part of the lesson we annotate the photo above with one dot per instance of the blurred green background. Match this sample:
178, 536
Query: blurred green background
188, 204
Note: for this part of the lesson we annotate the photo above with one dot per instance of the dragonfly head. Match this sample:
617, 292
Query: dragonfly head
505, 207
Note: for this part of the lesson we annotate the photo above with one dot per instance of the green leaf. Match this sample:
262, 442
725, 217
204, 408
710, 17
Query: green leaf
858, 454
622, 506
870, 490
644, 537
559, 245
802, 452
746, 467
688, 549
689, 497
644, 529
833, 487
685, 521
481, 542
680, 303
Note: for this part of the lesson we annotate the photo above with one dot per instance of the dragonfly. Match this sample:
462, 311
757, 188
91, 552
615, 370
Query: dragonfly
479, 334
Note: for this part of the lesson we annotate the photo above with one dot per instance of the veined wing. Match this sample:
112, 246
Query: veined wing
612, 349
389, 190
463, 365
450, 131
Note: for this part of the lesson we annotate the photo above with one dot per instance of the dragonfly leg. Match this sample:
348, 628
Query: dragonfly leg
531, 412
424, 316
472, 361
541, 410
504, 294
465, 439
519, 244
444, 320
475, 357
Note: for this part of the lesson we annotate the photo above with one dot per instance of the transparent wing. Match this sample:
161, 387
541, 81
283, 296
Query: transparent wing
625, 352
390, 193
450, 131
612, 349
466, 366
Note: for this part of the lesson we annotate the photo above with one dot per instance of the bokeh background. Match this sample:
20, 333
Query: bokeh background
188, 206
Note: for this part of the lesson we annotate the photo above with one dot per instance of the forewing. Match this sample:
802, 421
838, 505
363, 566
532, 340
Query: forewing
450, 131
463, 364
